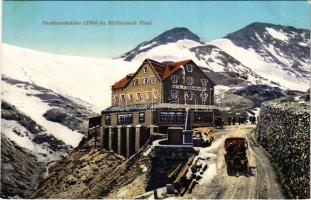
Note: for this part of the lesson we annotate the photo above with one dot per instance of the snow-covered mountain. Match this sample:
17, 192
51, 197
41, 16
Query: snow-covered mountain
38, 127
80, 78
166, 45
262, 53
286, 46
46, 100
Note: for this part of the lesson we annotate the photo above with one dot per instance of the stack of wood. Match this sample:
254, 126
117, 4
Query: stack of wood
187, 174
205, 134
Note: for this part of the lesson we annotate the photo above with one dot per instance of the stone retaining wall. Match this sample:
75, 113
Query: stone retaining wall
164, 159
283, 130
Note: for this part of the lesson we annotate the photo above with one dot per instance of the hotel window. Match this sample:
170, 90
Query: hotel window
203, 117
138, 95
130, 96
155, 94
204, 96
148, 95
174, 94
189, 67
122, 97
189, 80
174, 78
204, 82
136, 82
141, 117
153, 80
116, 99
107, 119
189, 95
125, 119
172, 117
145, 69
145, 80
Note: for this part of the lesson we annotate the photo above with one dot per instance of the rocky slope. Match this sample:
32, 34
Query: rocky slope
259, 53
218, 60
90, 173
286, 46
32, 128
20, 170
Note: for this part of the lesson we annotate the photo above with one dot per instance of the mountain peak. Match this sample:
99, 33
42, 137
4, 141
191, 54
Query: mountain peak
170, 36
260, 28
175, 34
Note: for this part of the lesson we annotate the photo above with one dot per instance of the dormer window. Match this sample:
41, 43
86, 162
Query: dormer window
145, 81
136, 82
189, 67
153, 80
174, 78
145, 69
189, 81
204, 82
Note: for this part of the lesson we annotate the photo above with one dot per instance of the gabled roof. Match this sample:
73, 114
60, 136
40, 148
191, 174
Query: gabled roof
158, 67
173, 67
163, 71
123, 82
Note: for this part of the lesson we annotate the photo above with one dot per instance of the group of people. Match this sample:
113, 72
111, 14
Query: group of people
241, 120
219, 122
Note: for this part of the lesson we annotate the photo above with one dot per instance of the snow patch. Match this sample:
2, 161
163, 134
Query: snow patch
23, 138
144, 168
271, 71
209, 174
277, 34
171, 52
303, 44
146, 46
87, 79
33, 107
146, 153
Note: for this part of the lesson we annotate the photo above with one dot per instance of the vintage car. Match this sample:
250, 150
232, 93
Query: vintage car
236, 156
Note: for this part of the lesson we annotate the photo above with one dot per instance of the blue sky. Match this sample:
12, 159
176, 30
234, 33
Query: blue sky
210, 20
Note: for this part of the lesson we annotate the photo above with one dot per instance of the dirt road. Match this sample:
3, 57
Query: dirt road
262, 184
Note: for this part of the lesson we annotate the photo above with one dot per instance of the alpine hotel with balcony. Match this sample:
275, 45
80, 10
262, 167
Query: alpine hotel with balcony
157, 96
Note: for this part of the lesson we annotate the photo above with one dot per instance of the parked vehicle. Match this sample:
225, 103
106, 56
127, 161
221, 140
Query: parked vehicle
236, 156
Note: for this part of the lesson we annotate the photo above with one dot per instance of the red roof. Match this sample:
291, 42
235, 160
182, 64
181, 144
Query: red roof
158, 67
164, 71
122, 83
173, 67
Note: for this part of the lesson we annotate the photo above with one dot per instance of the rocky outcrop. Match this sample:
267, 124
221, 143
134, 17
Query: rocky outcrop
20, 170
286, 40
20, 167
68, 119
283, 130
78, 174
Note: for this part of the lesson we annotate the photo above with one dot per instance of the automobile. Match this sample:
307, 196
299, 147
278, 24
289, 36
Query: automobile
236, 156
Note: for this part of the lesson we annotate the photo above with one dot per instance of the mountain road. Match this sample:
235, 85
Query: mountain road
262, 182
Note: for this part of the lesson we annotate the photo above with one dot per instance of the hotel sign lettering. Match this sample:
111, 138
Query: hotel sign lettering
187, 87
